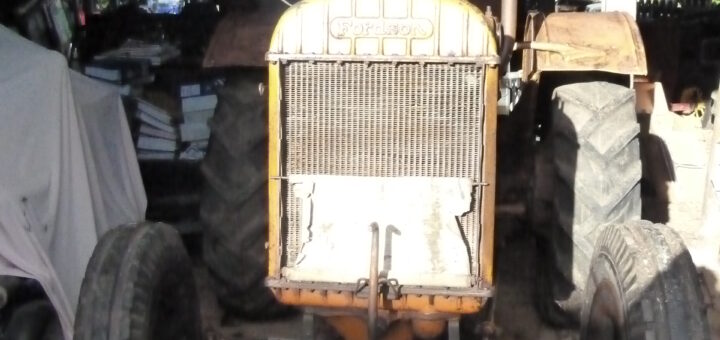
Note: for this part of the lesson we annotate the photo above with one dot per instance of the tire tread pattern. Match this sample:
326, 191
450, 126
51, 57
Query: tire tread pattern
657, 281
234, 204
596, 160
131, 269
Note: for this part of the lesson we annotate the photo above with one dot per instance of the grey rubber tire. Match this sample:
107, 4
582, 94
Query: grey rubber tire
53, 331
32, 321
594, 156
96, 293
139, 285
643, 285
234, 205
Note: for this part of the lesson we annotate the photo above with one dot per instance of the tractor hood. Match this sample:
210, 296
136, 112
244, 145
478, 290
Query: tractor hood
415, 30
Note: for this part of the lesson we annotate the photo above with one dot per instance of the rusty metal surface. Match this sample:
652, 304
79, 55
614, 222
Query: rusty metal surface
427, 304
478, 61
533, 22
412, 28
382, 120
420, 111
509, 20
486, 250
414, 121
242, 38
477, 292
608, 42
352, 326
428, 329
373, 286
275, 221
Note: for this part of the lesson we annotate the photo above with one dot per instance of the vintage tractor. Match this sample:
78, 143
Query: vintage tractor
376, 202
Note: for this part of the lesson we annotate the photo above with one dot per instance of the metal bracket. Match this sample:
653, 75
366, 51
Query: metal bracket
388, 288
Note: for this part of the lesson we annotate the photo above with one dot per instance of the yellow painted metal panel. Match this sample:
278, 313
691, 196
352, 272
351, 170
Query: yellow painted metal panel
394, 30
441, 28
273, 172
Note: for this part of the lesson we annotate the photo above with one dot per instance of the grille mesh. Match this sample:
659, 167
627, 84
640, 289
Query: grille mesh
382, 120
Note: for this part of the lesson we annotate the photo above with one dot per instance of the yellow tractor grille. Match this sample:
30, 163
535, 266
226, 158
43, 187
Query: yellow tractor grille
381, 120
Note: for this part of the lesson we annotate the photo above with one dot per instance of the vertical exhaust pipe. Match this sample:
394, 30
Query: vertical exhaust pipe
508, 19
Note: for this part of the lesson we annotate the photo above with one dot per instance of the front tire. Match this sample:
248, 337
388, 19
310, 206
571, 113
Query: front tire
643, 285
35, 320
139, 285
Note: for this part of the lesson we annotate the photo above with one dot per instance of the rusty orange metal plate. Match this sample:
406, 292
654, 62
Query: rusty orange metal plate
419, 303
608, 42
242, 38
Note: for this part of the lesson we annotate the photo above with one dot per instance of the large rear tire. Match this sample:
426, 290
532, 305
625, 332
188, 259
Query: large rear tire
234, 206
593, 174
139, 285
643, 285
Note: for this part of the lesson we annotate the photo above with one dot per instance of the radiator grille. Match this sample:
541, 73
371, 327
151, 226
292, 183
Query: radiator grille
381, 120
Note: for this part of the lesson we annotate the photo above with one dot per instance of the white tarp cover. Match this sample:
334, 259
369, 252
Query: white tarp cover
421, 242
68, 170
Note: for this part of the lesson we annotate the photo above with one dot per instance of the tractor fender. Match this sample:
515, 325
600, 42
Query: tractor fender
241, 38
578, 41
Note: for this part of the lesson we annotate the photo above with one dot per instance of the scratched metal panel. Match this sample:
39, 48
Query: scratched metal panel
382, 120
384, 28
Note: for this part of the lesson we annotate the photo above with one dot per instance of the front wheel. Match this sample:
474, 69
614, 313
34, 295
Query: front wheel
139, 285
642, 285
